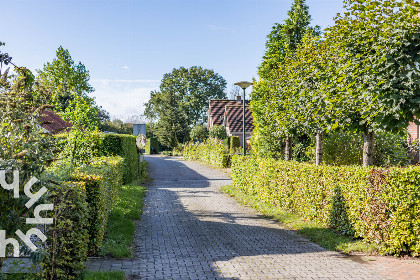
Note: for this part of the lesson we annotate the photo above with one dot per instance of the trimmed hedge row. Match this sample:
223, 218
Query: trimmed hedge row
66, 247
379, 205
102, 180
125, 146
152, 146
82, 200
211, 151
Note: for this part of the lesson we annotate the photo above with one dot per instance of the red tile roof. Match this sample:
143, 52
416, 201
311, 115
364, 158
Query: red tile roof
234, 121
217, 109
52, 122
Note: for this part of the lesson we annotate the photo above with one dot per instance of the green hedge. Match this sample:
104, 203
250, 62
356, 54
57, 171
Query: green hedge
235, 144
211, 151
102, 179
152, 146
379, 205
125, 146
67, 244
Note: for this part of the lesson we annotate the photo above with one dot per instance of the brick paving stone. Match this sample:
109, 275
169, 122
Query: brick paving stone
190, 230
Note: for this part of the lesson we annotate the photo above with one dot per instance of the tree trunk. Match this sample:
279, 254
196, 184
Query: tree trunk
288, 150
319, 147
368, 142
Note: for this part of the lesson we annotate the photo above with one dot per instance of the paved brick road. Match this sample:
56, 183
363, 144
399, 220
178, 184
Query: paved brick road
190, 230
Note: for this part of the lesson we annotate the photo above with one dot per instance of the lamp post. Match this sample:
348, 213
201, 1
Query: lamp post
243, 85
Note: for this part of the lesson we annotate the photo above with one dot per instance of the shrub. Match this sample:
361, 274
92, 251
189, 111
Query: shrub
67, 244
235, 144
218, 132
211, 151
125, 146
102, 180
379, 205
152, 146
199, 132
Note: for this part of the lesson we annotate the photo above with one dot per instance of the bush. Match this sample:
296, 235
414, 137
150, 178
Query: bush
199, 132
379, 205
124, 146
211, 151
218, 132
102, 180
152, 146
66, 247
235, 144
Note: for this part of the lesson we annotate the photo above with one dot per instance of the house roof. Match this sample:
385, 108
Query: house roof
52, 122
234, 118
217, 109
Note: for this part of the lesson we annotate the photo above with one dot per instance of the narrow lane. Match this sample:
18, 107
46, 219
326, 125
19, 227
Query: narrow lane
190, 230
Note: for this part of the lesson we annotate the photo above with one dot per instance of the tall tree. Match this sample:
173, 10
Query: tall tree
192, 89
282, 41
64, 79
286, 36
172, 127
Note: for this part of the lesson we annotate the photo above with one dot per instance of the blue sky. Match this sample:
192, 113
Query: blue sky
127, 45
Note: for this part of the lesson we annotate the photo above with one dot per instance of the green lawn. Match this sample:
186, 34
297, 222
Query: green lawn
102, 275
118, 242
324, 236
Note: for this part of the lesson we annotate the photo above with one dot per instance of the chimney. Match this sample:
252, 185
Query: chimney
238, 98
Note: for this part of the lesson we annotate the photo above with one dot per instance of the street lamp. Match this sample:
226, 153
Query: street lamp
243, 85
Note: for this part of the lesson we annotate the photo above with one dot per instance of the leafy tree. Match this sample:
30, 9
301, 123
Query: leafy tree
286, 37
218, 131
172, 127
377, 43
192, 89
199, 132
24, 145
64, 79
282, 42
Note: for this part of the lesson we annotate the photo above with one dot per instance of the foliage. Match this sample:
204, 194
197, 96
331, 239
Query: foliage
235, 144
116, 126
285, 37
218, 132
118, 241
102, 275
64, 79
345, 148
152, 146
79, 146
166, 153
192, 88
211, 151
378, 205
356, 77
124, 146
67, 244
172, 127
199, 132
101, 180
24, 146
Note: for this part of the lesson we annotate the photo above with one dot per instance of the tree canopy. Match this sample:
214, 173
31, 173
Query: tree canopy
362, 75
192, 89
286, 36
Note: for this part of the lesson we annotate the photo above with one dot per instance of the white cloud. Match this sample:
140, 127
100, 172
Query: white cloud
220, 28
123, 98
126, 67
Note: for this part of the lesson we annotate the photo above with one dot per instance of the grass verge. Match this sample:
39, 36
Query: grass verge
102, 275
323, 236
118, 241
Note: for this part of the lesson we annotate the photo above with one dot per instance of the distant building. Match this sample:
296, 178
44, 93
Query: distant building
53, 123
229, 114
